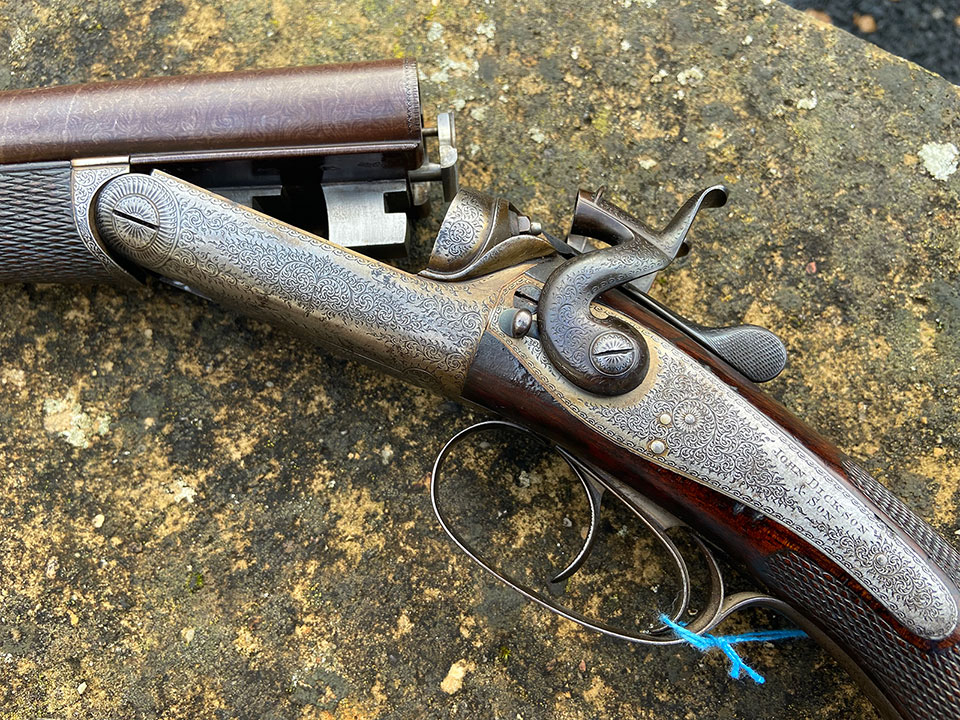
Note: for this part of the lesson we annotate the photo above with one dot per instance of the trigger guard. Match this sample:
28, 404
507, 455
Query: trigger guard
661, 635
594, 497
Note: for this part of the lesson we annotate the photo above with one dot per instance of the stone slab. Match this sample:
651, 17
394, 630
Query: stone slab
201, 517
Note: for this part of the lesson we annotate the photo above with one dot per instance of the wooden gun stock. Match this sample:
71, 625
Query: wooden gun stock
906, 675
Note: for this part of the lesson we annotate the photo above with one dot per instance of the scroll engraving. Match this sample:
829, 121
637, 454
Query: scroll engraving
86, 182
715, 437
423, 330
465, 222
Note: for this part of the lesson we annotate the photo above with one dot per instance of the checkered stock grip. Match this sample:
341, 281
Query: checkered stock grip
918, 678
39, 241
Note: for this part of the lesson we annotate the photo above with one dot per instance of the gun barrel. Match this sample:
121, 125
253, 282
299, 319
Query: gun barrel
338, 150
332, 105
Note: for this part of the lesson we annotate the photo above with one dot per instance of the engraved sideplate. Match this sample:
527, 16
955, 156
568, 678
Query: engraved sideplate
685, 418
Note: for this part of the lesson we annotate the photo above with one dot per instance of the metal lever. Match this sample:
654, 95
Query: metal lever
606, 356
754, 351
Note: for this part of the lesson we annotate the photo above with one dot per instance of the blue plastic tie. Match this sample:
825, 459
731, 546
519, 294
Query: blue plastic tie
726, 643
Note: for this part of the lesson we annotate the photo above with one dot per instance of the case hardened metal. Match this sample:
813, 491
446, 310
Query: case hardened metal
715, 437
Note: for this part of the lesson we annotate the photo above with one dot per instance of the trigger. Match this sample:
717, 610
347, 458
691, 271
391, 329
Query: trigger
594, 491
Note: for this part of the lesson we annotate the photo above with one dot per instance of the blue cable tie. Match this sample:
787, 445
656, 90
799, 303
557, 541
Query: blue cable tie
726, 643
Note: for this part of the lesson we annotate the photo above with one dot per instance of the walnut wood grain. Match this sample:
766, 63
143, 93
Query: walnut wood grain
346, 104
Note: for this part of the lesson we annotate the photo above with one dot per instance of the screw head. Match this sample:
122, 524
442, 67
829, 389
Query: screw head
613, 353
136, 220
137, 217
658, 447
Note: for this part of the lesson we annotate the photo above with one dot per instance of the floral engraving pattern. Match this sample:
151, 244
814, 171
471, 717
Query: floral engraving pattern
715, 437
423, 330
86, 182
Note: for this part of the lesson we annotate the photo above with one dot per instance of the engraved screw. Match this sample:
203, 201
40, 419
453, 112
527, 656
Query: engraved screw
613, 353
136, 220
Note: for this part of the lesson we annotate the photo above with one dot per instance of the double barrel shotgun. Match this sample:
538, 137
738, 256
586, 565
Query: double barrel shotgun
274, 192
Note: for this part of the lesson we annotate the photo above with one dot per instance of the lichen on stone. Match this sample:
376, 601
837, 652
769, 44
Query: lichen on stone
939, 159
